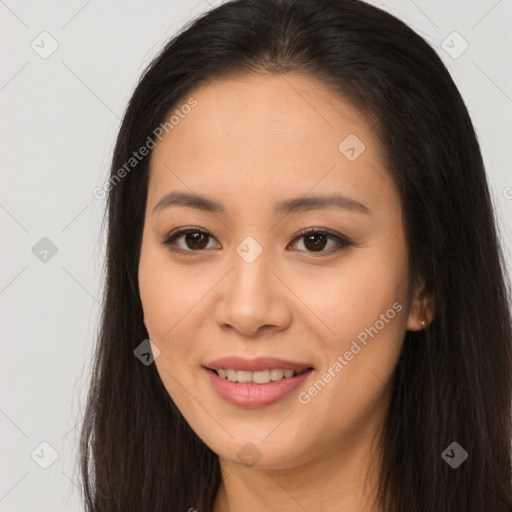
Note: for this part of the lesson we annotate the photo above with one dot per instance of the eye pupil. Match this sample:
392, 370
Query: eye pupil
318, 244
194, 238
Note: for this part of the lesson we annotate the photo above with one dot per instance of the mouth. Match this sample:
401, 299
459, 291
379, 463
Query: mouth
258, 382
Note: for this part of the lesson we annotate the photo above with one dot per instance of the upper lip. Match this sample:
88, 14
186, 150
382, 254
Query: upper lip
259, 363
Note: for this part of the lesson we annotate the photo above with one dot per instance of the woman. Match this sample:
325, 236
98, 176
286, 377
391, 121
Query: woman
299, 221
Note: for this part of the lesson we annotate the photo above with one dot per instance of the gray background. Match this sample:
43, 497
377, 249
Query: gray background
60, 114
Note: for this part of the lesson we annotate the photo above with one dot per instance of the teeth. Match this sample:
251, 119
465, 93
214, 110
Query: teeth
243, 376
261, 377
258, 377
232, 375
276, 374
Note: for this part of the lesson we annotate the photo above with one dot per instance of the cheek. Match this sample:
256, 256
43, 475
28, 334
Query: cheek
175, 303
167, 302
164, 294
353, 298
364, 308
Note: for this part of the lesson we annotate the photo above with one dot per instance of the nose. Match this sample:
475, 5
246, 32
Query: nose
253, 298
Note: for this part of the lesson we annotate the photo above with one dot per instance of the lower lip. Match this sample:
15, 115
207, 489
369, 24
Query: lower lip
256, 395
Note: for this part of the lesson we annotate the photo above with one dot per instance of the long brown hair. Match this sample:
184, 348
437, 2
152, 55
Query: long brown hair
453, 381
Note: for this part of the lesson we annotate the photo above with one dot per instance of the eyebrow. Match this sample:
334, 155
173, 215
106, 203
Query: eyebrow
319, 202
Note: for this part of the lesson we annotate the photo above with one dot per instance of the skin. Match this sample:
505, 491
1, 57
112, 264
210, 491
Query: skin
250, 142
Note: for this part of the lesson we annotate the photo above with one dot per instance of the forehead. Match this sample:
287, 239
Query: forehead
270, 136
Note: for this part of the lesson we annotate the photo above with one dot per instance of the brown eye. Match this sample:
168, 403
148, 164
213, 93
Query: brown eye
192, 240
196, 240
316, 241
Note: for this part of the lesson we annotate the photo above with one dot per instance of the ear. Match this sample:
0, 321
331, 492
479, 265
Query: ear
421, 309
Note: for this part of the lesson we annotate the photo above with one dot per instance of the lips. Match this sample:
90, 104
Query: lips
251, 395
257, 364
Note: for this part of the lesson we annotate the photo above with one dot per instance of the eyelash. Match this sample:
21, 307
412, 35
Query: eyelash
343, 241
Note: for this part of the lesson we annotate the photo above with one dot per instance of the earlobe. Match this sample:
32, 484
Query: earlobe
421, 311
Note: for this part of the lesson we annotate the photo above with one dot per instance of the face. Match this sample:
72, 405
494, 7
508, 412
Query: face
294, 251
